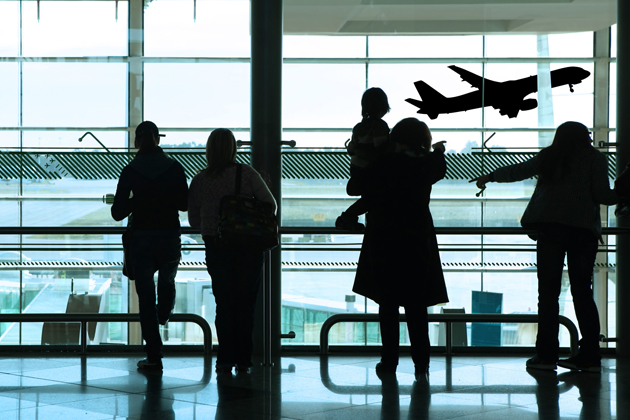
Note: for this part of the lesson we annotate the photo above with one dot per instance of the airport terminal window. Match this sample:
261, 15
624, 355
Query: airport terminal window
314, 46
322, 95
74, 94
196, 77
217, 29
74, 28
612, 102
200, 95
425, 46
578, 44
9, 94
9, 28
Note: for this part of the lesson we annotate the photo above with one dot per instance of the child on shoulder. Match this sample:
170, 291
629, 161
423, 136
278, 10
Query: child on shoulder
370, 140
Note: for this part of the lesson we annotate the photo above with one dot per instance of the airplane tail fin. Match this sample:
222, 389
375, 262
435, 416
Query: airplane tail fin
427, 93
414, 102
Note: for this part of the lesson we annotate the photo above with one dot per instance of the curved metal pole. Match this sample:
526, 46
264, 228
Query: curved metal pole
99, 142
83, 318
449, 318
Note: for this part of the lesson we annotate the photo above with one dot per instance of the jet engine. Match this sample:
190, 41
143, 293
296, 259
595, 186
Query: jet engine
528, 104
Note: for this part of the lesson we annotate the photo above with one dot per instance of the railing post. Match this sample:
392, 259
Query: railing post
83, 337
449, 338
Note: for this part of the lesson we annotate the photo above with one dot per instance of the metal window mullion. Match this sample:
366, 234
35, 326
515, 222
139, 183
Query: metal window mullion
601, 101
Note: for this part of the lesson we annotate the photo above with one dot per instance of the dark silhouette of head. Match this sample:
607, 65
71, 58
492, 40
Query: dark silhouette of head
374, 103
555, 161
412, 133
220, 151
147, 137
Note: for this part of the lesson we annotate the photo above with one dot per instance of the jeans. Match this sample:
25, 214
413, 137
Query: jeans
235, 281
153, 251
418, 327
580, 247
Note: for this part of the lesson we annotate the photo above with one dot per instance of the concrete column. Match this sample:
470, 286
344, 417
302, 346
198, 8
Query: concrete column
266, 130
623, 157
545, 97
135, 111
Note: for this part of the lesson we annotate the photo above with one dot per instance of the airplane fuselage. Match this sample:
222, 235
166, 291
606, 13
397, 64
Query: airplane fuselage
508, 96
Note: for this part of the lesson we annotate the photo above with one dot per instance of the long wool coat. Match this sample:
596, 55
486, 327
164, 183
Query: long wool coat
399, 261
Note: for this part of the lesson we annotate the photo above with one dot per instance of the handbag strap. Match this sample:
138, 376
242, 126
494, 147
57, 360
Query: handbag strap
238, 178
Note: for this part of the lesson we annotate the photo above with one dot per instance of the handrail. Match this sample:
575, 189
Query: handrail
84, 318
285, 230
448, 319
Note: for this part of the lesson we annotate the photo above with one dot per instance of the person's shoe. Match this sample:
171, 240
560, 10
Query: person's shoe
421, 372
243, 369
539, 363
347, 222
383, 370
582, 363
146, 364
223, 369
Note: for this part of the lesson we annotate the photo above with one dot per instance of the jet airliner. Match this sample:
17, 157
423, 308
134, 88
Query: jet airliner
508, 97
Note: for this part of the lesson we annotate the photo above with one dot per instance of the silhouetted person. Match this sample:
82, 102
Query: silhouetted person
235, 272
564, 210
152, 190
369, 141
399, 263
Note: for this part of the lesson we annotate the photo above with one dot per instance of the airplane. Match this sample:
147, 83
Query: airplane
508, 97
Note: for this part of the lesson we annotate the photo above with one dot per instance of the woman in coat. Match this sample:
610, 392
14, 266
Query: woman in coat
152, 190
565, 212
235, 273
399, 263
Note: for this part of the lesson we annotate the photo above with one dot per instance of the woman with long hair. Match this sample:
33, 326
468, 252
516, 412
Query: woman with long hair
235, 272
564, 210
152, 190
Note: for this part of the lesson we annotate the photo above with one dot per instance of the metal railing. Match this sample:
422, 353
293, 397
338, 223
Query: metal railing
448, 319
84, 318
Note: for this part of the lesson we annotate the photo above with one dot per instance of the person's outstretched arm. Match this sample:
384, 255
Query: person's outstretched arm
510, 173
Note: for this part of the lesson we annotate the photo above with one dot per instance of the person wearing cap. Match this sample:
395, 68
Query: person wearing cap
565, 213
151, 191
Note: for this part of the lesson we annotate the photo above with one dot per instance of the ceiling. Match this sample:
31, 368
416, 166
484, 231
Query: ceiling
361, 17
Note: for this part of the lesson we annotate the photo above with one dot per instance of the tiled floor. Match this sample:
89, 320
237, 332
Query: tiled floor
307, 387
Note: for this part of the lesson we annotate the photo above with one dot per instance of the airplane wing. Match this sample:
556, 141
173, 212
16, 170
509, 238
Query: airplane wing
474, 80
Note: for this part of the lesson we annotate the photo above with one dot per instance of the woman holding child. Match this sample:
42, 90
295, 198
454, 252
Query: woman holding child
399, 263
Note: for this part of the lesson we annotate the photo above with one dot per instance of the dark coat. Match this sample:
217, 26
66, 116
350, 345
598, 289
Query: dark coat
159, 188
399, 262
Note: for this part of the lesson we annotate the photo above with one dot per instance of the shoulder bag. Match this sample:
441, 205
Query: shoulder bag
246, 223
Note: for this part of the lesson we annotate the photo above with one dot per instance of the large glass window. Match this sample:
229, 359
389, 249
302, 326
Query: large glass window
71, 94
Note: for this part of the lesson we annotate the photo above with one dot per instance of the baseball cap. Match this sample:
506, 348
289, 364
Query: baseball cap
147, 127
